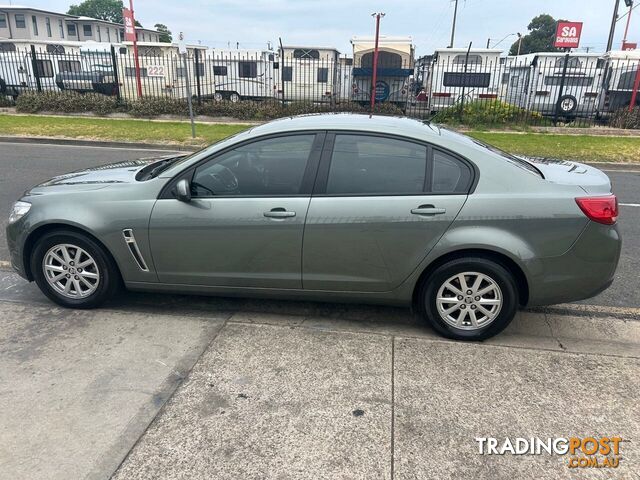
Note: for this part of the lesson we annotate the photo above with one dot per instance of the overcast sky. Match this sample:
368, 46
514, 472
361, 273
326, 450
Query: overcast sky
333, 22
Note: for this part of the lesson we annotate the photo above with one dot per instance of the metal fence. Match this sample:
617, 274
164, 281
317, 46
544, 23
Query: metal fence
534, 89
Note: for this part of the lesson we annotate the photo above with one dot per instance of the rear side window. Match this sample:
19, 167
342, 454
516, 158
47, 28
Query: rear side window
363, 164
449, 174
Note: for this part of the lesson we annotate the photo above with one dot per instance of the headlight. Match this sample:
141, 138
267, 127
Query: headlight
18, 211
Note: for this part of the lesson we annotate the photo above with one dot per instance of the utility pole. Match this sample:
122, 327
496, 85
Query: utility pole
612, 30
453, 26
374, 77
488, 41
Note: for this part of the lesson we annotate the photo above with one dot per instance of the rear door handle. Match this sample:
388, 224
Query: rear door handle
279, 213
428, 210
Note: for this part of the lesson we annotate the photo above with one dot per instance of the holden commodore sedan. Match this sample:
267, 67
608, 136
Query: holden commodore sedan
334, 207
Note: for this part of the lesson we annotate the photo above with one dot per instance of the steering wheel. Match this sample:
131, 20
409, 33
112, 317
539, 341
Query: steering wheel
221, 179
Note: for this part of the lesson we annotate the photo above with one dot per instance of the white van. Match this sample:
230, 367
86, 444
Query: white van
535, 80
621, 67
476, 74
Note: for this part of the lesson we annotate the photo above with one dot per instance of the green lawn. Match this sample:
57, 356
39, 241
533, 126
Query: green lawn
572, 147
591, 148
114, 129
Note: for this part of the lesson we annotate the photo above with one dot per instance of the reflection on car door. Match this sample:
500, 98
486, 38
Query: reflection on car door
244, 224
380, 205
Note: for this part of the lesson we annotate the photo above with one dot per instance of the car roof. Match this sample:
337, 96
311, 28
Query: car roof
407, 127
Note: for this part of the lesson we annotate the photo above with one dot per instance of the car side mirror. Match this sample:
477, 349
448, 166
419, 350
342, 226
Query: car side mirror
183, 190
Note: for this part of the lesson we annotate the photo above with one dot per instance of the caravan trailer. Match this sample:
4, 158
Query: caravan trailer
162, 71
309, 73
535, 80
21, 71
244, 74
474, 73
96, 72
620, 73
394, 72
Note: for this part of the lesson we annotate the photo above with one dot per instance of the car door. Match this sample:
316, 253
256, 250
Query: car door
243, 226
381, 203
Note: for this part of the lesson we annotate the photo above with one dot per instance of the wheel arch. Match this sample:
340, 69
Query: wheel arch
498, 257
38, 232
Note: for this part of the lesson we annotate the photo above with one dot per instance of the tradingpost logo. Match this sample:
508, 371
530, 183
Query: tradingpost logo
581, 452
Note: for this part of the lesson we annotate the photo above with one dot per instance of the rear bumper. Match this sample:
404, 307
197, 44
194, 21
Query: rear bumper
584, 271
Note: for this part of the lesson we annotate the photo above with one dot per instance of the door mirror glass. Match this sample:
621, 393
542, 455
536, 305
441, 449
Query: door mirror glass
183, 190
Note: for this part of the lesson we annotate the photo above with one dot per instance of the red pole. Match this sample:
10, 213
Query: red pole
135, 50
636, 84
374, 78
626, 28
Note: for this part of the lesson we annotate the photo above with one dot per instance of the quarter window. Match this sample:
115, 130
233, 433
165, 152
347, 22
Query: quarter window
364, 165
268, 167
450, 175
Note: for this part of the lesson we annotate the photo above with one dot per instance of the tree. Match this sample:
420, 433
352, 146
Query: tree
110, 10
165, 33
542, 33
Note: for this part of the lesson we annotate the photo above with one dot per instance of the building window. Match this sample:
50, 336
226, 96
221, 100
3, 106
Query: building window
44, 68
304, 54
86, 30
72, 66
34, 22
287, 74
220, 70
71, 30
61, 28
323, 75
3, 20
122, 35
20, 21
248, 69
47, 22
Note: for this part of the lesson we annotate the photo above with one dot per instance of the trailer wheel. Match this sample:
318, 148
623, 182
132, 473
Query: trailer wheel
218, 97
567, 104
234, 97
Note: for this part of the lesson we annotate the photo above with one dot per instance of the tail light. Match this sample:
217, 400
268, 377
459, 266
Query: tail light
488, 95
441, 94
600, 209
542, 93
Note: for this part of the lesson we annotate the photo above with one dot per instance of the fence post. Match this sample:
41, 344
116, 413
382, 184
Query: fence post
282, 69
464, 81
116, 80
34, 66
196, 57
561, 89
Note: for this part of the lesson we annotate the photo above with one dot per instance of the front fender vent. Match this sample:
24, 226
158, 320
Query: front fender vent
130, 240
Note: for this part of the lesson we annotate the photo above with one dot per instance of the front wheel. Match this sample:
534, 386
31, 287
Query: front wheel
73, 270
469, 299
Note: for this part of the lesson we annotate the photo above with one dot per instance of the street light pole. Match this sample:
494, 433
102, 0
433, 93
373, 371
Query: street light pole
135, 51
374, 76
612, 30
626, 28
453, 26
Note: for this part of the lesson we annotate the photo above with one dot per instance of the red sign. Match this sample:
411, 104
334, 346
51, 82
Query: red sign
129, 25
568, 35
629, 46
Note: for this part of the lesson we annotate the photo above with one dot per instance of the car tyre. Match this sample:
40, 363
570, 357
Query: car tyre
108, 277
499, 297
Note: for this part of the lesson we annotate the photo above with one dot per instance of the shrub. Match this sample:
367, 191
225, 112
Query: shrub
623, 118
154, 106
485, 113
5, 101
66, 102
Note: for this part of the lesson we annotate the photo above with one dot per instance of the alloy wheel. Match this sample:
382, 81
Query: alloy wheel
469, 300
71, 271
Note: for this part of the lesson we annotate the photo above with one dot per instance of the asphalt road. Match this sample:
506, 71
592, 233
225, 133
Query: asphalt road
24, 165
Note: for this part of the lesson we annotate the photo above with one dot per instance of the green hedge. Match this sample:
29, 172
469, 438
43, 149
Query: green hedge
487, 113
71, 102
623, 118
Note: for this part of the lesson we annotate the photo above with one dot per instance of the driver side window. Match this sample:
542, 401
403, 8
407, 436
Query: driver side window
268, 167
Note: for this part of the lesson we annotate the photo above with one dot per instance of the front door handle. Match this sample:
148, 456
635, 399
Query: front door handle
279, 213
428, 210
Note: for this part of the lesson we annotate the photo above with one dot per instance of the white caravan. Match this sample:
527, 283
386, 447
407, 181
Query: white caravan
309, 73
244, 74
535, 80
394, 72
620, 74
474, 73
20, 71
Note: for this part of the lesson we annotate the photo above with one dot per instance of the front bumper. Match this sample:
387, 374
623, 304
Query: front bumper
585, 270
16, 238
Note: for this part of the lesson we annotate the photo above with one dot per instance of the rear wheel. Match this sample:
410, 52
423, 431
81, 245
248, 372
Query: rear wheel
469, 299
73, 270
234, 97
